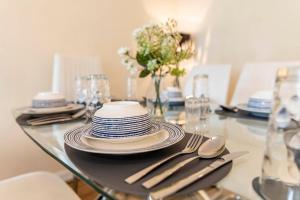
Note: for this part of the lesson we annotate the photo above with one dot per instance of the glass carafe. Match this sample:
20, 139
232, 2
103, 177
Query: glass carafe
280, 178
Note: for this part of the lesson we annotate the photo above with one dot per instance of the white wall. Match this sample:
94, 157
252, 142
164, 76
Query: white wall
251, 31
32, 30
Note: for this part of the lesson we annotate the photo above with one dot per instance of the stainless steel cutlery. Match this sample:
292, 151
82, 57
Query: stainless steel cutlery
55, 118
209, 149
173, 188
192, 146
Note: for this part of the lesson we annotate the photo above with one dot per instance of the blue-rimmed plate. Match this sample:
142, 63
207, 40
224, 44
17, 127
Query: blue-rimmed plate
43, 111
122, 120
258, 112
121, 131
168, 135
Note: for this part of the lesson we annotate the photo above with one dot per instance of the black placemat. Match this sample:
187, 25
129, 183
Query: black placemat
239, 114
256, 187
22, 119
111, 171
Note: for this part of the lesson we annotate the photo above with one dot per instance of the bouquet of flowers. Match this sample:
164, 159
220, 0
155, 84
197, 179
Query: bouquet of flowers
159, 50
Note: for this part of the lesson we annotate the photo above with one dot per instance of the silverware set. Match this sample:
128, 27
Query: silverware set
211, 148
178, 185
191, 147
54, 118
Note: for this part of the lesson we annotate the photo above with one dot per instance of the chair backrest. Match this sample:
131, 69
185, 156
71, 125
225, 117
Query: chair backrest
255, 77
66, 69
219, 77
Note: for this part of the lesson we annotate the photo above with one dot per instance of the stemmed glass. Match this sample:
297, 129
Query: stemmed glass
93, 91
280, 178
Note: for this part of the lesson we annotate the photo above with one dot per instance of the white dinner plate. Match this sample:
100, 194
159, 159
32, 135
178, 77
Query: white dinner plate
89, 137
254, 111
168, 135
42, 111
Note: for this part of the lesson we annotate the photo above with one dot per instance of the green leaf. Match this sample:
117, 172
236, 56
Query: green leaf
177, 72
141, 59
144, 73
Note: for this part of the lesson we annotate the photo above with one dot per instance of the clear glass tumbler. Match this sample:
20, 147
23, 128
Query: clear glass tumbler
200, 91
80, 89
280, 178
192, 114
132, 86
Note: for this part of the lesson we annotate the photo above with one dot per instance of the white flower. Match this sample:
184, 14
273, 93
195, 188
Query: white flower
152, 64
132, 70
124, 62
127, 63
123, 51
136, 33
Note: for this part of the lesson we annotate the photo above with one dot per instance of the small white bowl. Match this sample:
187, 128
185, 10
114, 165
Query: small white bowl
48, 96
48, 100
263, 95
261, 99
121, 109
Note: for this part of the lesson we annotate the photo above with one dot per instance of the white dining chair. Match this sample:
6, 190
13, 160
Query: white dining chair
219, 78
257, 77
36, 186
67, 68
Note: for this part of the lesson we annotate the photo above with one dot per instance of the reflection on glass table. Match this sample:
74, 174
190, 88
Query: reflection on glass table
239, 137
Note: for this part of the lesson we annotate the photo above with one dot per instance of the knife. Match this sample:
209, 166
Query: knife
175, 187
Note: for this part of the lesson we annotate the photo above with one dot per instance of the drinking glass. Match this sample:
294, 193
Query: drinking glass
98, 92
192, 113
200, 91
80, 89
280, 178
132, 86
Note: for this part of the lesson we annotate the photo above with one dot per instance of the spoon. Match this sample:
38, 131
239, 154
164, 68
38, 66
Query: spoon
211, 148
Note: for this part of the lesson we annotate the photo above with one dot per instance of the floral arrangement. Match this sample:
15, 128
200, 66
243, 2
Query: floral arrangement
159, 50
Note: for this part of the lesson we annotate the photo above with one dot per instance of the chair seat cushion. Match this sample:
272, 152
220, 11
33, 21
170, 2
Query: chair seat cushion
36, 186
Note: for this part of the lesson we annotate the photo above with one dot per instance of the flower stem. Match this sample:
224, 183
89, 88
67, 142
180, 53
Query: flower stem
157, 81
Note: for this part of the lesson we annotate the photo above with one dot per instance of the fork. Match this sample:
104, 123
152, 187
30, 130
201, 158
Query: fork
192, 145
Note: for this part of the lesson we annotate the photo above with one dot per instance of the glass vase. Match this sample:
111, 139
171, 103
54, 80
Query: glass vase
176, 82
157, 98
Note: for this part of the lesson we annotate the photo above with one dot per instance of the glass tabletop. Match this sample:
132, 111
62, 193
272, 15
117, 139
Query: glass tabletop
240, 135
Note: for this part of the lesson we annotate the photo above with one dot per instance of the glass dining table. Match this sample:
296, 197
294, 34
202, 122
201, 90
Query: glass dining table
241, 134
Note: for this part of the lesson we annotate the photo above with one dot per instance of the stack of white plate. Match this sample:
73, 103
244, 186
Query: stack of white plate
261, 100
123, 128
121, 119
45, 103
